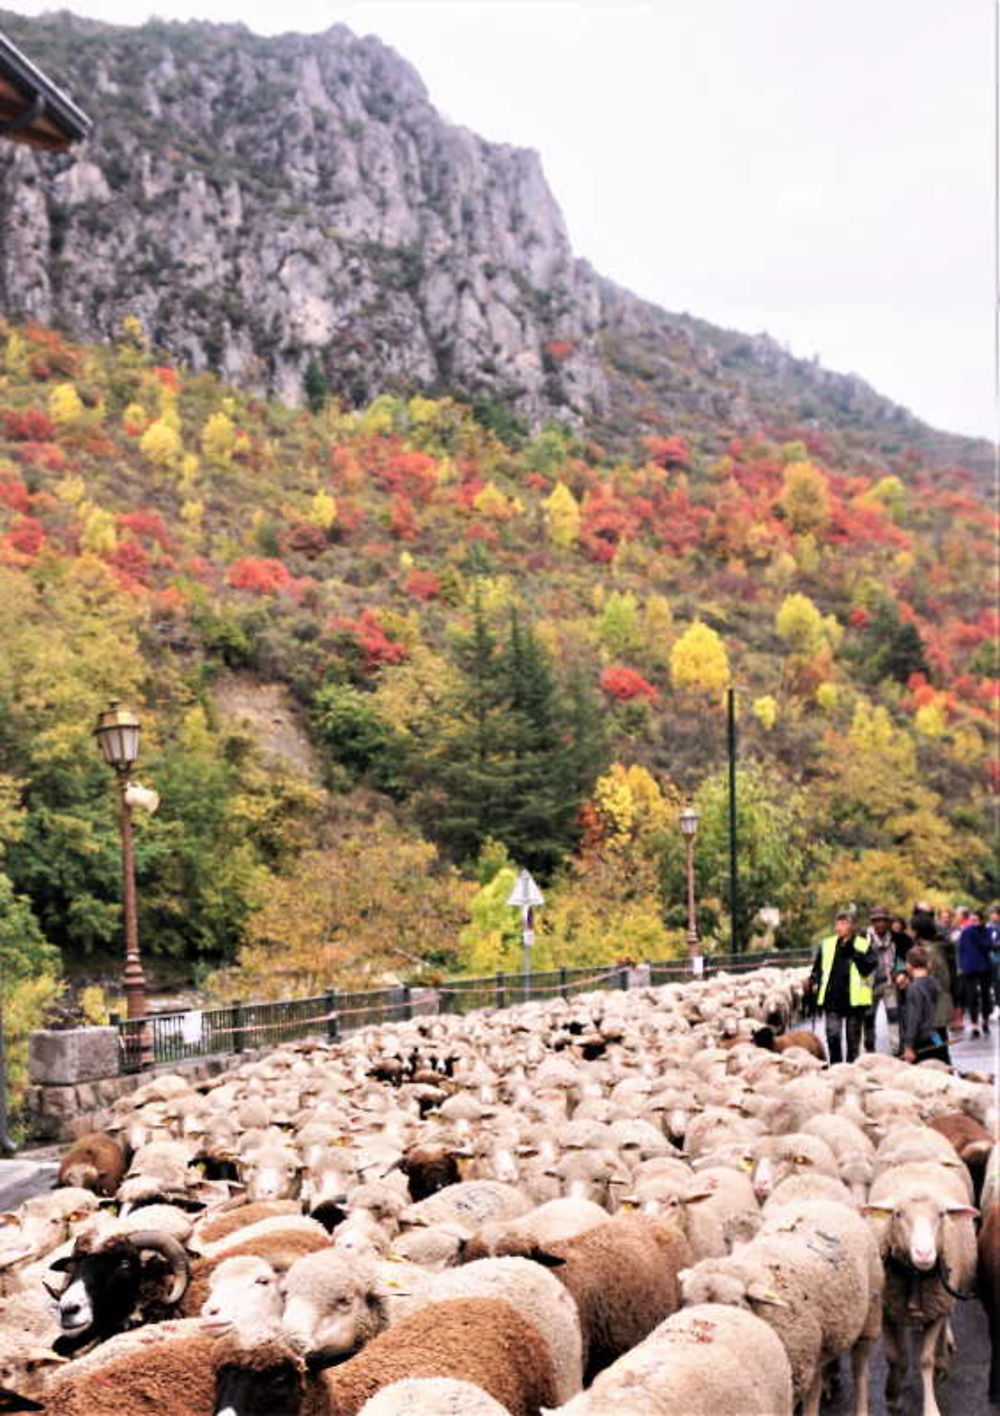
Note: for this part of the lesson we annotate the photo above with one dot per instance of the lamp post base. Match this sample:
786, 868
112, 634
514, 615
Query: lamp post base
134, 986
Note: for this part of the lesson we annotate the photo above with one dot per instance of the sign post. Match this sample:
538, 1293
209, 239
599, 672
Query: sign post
526, 896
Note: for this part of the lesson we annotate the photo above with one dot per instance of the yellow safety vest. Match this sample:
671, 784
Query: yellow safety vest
860, 988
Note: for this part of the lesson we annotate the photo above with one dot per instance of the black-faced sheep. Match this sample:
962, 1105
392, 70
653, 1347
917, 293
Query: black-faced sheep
111, 1282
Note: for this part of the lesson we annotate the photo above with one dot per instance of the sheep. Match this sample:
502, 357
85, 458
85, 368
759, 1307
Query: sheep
279, 1241
483, 1341
695, 1363
789, 1154
109, 1282
623, 1277
472, 1203
94, 1162
771, 1041
535, 1293
241, 1290
271, 1171
26, 1363
814, 1275
971, 1141
163, 1367
438, 1246
916, 1144
715, 1209
989, 1290
333, 1304
853, 1150
546, 1224
432, 1396
217, 1226
923, 1223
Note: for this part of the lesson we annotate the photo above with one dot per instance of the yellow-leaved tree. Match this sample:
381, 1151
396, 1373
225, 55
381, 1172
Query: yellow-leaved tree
699, 662
65, 404
562, 517
218, 437
161, 444
375, 902
805, 497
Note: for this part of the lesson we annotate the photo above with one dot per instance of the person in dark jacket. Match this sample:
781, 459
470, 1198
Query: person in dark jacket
926, 933
974, 969
918, 1000
882, 940
840, 983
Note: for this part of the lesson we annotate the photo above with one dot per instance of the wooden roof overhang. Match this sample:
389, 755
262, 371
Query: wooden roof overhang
32, 109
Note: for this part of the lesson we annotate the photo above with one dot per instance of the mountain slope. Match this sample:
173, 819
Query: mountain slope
293, 213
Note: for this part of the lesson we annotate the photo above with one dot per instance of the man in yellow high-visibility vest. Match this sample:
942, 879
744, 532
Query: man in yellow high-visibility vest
841, 983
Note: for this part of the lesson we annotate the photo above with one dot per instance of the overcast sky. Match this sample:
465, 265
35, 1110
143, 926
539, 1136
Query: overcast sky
820, 169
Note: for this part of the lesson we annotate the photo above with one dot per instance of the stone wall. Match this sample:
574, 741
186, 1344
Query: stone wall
67, 1098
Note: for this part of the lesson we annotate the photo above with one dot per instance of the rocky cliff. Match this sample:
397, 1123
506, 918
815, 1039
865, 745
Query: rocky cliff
294, 213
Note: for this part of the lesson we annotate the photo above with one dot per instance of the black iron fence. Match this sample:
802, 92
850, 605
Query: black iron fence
237, 1027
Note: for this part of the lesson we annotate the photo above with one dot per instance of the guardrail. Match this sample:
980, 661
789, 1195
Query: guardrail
236, 1027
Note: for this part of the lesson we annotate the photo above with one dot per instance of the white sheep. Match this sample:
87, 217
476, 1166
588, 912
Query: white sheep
813, 1274
695, 1363
432, 1396
924, 1227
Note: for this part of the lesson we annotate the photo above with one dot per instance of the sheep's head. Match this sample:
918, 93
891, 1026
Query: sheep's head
258, 1374
794, 1154
333, 1305
912, 1228
107, 1280
721, 1281
271, 1173
242, 1290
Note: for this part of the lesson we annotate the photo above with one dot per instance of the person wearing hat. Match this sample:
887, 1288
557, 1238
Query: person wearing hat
840, 982
880, 937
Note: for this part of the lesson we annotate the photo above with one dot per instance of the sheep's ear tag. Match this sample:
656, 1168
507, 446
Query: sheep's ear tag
759, 1293
878, 1211
746, 1165
396, 1258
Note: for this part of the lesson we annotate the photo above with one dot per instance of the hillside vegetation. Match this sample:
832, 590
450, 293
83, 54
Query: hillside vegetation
484, 650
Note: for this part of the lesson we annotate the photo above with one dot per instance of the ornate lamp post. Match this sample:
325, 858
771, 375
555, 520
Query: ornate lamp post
689, 830
117, 731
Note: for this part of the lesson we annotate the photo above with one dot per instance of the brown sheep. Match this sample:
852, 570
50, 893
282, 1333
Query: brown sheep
771, 1041
279, 1249
218, 1226
479, 1340
429, 1168
623, 1277
94, 1162
971, 1140
163, 1367
989, 1290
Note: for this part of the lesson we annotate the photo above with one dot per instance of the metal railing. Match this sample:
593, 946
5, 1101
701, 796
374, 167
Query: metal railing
238, 1027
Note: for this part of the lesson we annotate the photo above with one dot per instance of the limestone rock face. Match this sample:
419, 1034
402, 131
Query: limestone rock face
277, 208
264, 204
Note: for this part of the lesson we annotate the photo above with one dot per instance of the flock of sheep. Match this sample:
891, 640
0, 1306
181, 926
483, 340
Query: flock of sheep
619, 1202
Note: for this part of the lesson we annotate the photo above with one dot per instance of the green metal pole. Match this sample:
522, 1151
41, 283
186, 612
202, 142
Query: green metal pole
733, 878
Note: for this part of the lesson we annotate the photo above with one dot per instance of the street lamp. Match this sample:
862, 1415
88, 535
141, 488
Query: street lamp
117, 731
689, 830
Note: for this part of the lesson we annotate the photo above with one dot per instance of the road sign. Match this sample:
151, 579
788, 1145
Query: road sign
525, 892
